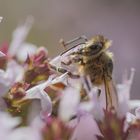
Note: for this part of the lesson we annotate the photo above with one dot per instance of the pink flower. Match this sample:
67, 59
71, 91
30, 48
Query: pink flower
37, 67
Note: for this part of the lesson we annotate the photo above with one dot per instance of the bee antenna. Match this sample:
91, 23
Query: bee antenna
64, 44
76, 39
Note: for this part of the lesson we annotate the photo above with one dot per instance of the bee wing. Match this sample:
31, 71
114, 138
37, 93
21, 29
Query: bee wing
111, 95
113, 92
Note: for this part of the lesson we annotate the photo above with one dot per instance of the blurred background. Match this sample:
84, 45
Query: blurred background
118, 20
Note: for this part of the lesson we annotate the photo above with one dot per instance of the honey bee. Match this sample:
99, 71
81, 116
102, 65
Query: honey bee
92, 59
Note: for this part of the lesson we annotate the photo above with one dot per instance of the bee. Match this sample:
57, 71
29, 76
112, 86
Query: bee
92, 59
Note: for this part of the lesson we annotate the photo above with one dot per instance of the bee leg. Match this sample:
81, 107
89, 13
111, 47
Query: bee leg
62, 70
86, 83
74, 76
58, 69
70, 74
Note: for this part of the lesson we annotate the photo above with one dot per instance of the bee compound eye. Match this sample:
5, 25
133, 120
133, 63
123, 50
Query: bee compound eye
94, 47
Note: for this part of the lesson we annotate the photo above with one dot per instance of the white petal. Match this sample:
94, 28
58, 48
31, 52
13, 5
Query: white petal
3, 90
25, 50
94, 106
2, 77
14, 72
25, 133
86, 106
134, 104
63, 78
46, 103
19, 36
8, 122
124, 88
98, 104
123, 108
56, 61
130, 117
86, 129
101, 99
137, 112
124, 93
38, 92
37, 123
69, 103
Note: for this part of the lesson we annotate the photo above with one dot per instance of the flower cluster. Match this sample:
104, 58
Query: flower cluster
38, 103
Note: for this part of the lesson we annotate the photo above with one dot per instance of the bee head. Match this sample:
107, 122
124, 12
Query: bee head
106, 43
96, 45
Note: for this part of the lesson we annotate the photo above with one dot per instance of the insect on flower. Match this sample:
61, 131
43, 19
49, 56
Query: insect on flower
91, 59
